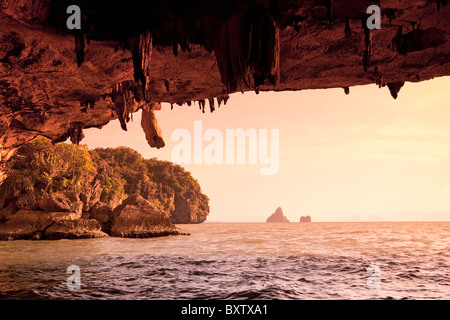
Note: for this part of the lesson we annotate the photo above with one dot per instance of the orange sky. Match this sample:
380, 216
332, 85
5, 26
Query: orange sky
359, 157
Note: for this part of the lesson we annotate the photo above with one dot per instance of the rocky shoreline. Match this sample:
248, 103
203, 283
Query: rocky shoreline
57, 217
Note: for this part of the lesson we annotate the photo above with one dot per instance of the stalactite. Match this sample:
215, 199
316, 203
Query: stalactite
167, 85
247, 51
265, 53
232, 54
175, 48
329, 10
149, 124
394, 88
380, 82
211, 105
79, 47
201, 105
119, 108
243, 35
141, 50
368, 37
396, 42
76, 133
439, 2
347, 30
347, 90
225, 99
122, 95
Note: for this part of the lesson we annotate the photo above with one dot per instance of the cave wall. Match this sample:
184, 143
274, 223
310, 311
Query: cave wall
133, 55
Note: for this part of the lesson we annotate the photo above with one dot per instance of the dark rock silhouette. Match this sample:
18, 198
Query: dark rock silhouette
347, 90
277, 216
394, 88
305, 219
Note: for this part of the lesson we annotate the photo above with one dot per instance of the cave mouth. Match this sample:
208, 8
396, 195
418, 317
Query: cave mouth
56, 82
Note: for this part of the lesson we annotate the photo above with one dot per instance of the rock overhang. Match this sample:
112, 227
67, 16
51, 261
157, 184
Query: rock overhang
56, 82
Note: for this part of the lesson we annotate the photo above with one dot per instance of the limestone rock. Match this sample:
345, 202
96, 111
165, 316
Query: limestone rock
149, 124
90, 195
74, 229
27, 201
305, 219
31, 224
194, 52
85, 215
187, 212
138, 218
8, 211
277, 216
103, 214
58, 202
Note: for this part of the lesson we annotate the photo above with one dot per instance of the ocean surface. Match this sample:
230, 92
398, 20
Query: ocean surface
410, 260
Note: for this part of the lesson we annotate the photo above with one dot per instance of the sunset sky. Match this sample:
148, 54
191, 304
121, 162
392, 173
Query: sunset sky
361, 157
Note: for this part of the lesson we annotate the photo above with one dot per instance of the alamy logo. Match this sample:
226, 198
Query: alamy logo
74, 281
374, 281
74, 21
228, 148
374, 21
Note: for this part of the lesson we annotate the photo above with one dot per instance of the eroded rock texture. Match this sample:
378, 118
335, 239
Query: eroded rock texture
138, 218
130, 55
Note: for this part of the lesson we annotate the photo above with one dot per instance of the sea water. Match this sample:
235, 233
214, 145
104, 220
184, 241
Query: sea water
366, 260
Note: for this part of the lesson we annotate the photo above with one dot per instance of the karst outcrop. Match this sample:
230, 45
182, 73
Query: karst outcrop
66, 191
277, 216
305, 219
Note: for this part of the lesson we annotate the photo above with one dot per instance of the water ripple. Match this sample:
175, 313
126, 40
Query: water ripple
255, 264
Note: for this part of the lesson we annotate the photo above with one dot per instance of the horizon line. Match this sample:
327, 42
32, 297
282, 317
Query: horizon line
213, 221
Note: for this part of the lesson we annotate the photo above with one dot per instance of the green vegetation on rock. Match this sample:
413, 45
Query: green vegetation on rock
98, 177
43, 168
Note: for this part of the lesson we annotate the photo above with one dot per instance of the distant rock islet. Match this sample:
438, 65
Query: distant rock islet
278, 216
305, 219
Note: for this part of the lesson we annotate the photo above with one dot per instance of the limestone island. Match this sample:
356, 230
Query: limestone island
305, 219
277, 216
63, 191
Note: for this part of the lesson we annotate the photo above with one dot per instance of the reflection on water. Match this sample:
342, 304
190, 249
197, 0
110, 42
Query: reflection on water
238, 261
